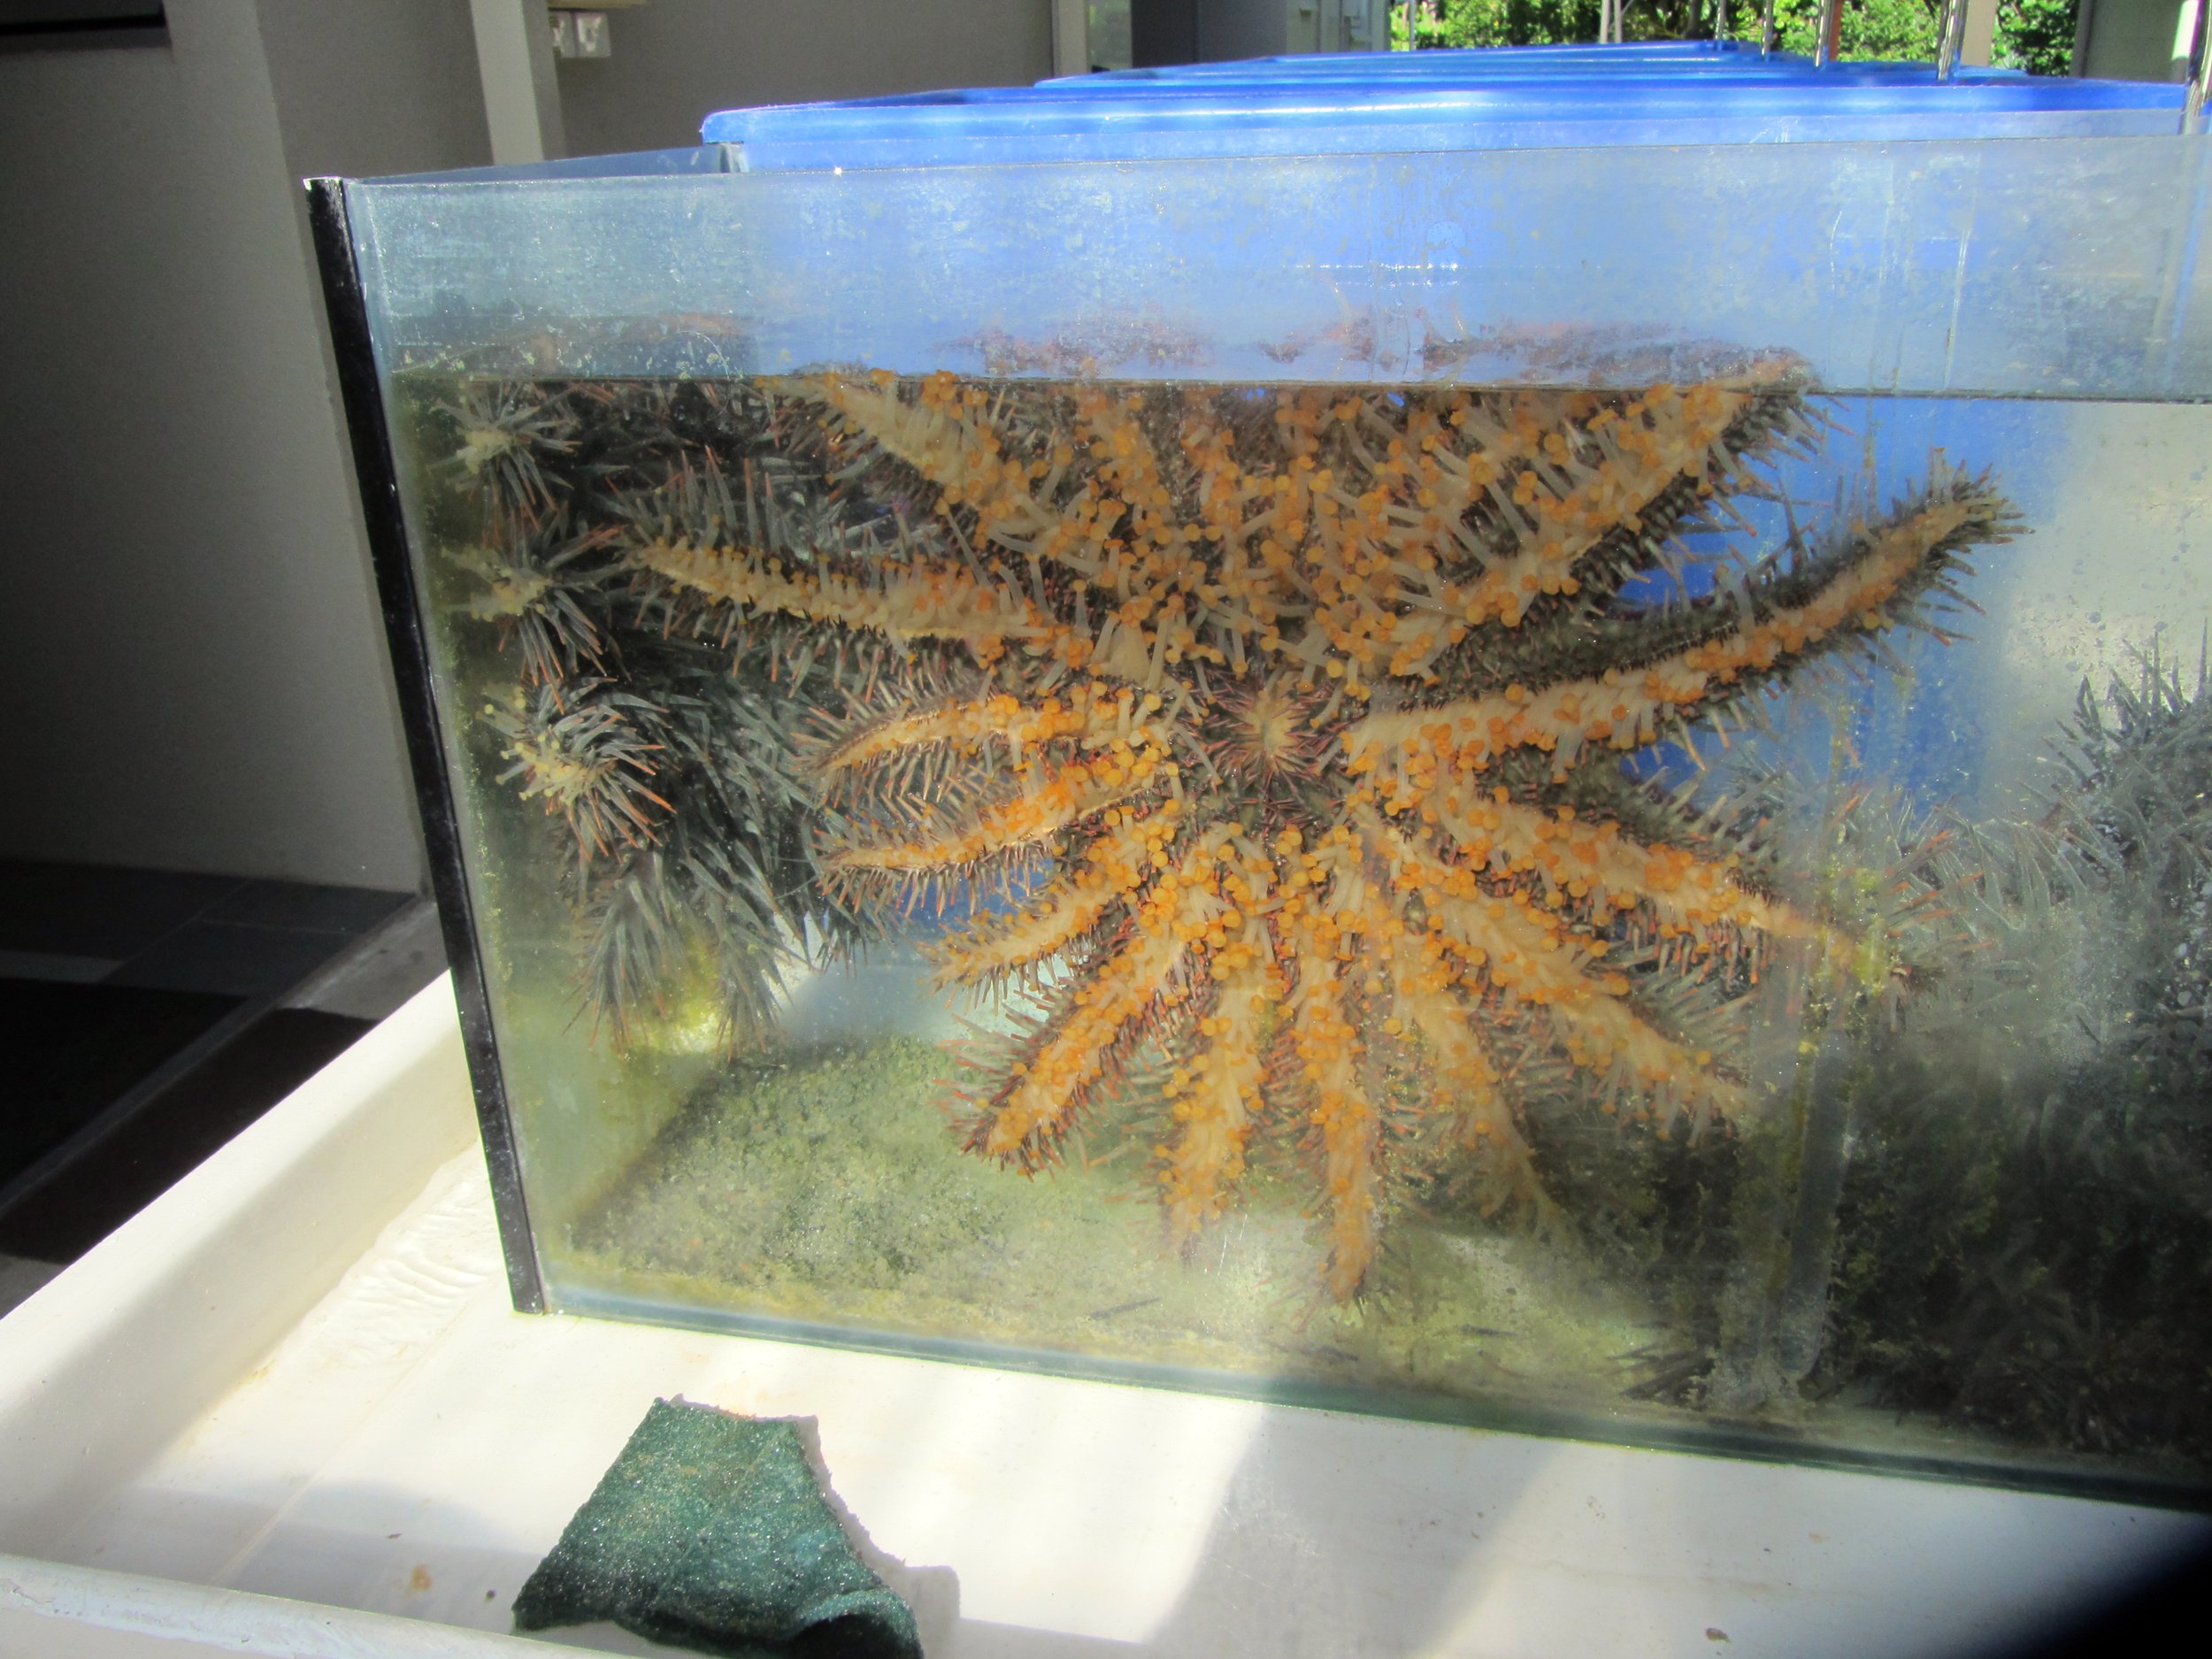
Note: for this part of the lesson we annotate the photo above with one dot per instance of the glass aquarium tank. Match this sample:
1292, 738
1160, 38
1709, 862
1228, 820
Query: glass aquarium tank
1561, 787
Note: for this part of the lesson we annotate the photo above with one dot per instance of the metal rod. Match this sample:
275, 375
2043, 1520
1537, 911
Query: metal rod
1830, 37
1766, 31
2199, 64
1952, 36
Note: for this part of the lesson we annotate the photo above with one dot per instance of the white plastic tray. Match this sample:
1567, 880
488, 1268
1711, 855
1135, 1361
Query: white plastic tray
288, 1411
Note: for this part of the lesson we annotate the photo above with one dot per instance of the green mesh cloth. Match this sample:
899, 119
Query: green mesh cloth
712, 1533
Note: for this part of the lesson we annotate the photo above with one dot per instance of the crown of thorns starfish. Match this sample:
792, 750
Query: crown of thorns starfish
1274, 736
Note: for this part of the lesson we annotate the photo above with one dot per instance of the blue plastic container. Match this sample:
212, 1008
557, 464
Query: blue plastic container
1455, 70
1195, 118
1688, 58
1685, 55
1668, 92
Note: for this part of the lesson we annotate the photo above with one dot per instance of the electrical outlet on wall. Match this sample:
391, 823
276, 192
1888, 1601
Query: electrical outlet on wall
578, 33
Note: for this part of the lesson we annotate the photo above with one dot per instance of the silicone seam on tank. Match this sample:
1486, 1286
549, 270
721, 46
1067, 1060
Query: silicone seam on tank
345, 301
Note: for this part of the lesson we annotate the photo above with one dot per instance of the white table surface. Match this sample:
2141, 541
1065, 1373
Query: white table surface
292, 1397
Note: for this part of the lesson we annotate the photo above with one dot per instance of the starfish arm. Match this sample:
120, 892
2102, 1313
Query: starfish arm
1090, 715
1593, 864
1245, 594
1127, 463
1133, 550
989, 953
1518, 947
1855, 593
912, 600
1030, 1113
1464, 1083
1215, 1094
936, 437
1347, 1122
1220, 487
1344, 924
1424, 1000
1474, 445
1586, 473
1583, 486
1075, 790
585, 760
1084, 1041
1113, 867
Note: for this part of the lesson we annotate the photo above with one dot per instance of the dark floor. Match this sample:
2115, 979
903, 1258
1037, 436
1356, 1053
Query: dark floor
73, 1049
167, 931
146, 1017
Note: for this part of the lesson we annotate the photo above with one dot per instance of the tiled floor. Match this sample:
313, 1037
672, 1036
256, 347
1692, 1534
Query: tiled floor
89, 913
383, 970
286, 974
176, 931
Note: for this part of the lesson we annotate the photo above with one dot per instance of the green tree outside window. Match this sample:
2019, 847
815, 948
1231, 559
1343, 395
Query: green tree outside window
2037, 35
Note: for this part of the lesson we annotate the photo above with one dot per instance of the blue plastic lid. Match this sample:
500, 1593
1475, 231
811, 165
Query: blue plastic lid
1708, 72
2109, 93
1566, 110
1644, 57
1504, 56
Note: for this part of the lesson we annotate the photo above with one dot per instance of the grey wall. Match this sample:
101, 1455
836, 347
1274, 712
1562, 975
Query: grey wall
192, 671
369, 87
1163, 33
1248, 28
190, 663
676, 61
2134, 39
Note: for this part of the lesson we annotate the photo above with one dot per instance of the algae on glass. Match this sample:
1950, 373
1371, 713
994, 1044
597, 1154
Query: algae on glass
1356, 850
